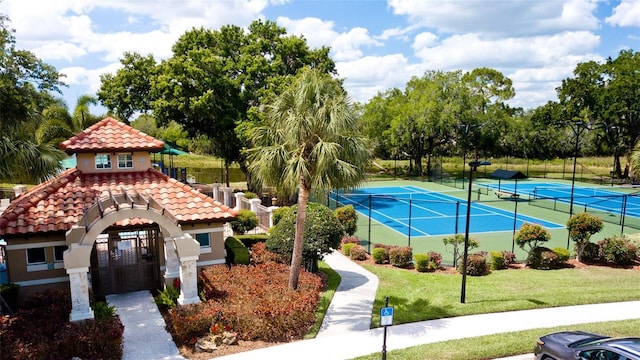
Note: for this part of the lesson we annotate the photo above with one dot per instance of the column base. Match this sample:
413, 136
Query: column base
79, 316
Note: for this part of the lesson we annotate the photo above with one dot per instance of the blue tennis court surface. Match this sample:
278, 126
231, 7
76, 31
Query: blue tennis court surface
430, 213
597, 198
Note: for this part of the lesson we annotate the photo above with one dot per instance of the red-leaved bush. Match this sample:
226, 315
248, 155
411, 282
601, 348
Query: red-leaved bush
252, 300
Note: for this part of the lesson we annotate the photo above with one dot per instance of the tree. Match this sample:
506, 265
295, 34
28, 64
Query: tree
128, 91
581, 226
531, 236
322, 234
309, 141
456, 241
26, 85
58, 125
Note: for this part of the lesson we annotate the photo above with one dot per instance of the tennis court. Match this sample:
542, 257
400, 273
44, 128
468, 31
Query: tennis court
619, 200
430, 213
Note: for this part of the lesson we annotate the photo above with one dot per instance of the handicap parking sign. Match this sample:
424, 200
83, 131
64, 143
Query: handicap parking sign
386, 316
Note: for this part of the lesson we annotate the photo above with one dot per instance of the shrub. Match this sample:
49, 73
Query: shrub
260, 255
581, 226
379, 255
348, 217
476, 265
617, 250
543, 258
508, 257
167, 298
247, 220
590, 252
9, 293
563, 254
322, 234
239, 252
531, 236
496, 260
358, 252
435, 260
102, 310
421, 262
251, 239
350, 240
457, 243
386, 249
346, 248
256, 304
278, 213
401, 256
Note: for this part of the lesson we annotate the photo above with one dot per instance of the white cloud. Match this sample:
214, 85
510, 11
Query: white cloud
499, 18
316, 31
627, 13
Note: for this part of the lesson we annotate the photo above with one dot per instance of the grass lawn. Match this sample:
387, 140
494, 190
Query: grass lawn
500, 345
426, 296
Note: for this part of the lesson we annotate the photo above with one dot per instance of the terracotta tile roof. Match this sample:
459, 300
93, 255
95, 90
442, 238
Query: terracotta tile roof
58, 204
109, 135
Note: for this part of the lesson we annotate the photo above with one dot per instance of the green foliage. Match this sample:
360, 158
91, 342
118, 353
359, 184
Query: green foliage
348, 217
421, 262
563, 253
531, 236
251, 239
358, 252
346, 248
239, 250
102, 310
350, 239
581, 226
322, 232
457, 243
543, 258
590, 253
247, 220
10, 294
401, 256
617, 250
245, 300
476, 265
496, 260
379, 255
168, 298
278, 213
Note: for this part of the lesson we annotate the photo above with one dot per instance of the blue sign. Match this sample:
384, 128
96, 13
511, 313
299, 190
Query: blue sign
386, 316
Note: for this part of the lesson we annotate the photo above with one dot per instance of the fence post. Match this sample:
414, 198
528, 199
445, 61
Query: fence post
227, 196
239, 196
254, 204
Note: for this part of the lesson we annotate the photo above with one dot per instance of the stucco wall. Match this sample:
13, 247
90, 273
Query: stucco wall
86, 162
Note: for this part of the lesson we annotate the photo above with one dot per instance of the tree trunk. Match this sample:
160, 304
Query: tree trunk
298, 241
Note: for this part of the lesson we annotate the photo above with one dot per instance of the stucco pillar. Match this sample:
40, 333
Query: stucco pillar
270, 210
254, 204
216, 192
188, 281
227, 196
79, 283
239, 196
172, 265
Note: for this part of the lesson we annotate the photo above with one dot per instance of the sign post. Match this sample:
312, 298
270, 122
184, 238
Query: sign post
386, 319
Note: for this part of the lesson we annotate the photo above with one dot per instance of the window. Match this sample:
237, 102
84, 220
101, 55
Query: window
58, 251
36, 256
203, 239
125, 161
103, 161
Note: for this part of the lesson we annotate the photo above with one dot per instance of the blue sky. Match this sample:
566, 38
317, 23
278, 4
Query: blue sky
377, 45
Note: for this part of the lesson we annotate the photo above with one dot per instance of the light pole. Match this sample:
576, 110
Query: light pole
473, 166
578, 128
466, 128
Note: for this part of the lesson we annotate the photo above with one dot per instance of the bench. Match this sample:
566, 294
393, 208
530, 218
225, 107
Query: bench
500, 194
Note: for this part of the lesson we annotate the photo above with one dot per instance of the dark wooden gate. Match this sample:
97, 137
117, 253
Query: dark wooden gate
125, 260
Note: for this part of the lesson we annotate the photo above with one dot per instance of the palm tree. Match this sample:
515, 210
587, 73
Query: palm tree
58, 125
309, 140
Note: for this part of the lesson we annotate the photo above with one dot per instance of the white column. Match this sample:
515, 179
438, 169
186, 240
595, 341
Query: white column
254, 204
188, 281
172, 265
227, 196
270, 210
239, 196
216, 192
79, 284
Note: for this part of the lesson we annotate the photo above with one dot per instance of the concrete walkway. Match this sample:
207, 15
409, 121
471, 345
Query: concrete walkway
145, 335
345, 332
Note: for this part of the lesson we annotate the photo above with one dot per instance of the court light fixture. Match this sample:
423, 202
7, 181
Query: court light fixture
473, 166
